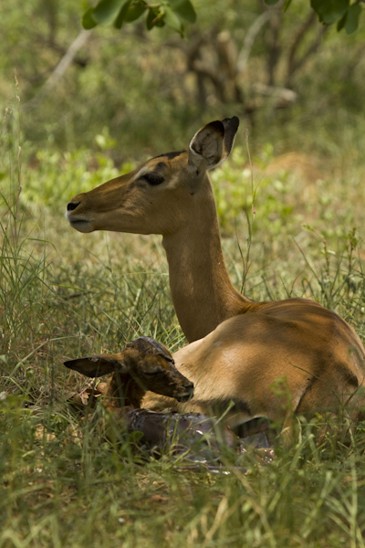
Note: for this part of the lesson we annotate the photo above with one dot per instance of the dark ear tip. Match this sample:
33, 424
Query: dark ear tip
233, 122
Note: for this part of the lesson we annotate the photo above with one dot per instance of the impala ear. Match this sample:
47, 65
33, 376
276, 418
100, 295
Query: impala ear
97, 366
212, 144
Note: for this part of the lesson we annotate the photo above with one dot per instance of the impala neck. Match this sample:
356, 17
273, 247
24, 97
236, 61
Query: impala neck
202, 292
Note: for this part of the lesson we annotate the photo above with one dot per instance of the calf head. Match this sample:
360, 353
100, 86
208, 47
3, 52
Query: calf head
145, 363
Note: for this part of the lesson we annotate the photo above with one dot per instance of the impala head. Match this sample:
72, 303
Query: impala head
144, 360
151, 199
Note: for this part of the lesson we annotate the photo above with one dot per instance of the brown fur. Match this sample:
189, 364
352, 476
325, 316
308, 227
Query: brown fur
271, 365
143, 365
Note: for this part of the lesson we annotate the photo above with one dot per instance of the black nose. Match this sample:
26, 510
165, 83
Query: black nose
72, 205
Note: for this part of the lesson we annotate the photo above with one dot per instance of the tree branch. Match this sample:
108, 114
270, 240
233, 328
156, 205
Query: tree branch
295, 62
67, 59
249, 40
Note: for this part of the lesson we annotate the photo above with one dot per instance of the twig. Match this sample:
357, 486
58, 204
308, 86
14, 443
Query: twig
67, 59
60, 68
249, 40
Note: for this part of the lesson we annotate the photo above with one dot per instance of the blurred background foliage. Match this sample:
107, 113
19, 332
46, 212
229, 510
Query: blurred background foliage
132, 92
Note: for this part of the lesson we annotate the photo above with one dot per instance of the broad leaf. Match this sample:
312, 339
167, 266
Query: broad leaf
341, 23
173, 20
155, 18
88, 21
121, 15
106, 10
352, 18
287, 4
132, 10
135, 9
330, 11
184, 9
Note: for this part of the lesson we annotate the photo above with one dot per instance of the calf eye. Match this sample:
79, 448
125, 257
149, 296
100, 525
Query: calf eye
153, 179
151, 372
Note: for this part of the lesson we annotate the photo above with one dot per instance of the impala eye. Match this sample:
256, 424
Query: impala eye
152, 373
153, 179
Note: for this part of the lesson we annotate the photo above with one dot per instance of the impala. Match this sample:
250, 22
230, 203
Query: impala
144, 364
240, 349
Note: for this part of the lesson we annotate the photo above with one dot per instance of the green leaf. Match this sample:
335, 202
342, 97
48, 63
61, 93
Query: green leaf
330, 11
287, 4
173, 20
135, 9
131, 10
106, 10
88, 21
184, 9
341, 22
126, 11
271, 2
155, 17
352, 19
121, 15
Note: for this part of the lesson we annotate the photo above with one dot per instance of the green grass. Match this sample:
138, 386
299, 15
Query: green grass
64, 294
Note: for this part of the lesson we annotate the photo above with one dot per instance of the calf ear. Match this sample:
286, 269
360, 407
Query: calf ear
96, 366
212, 143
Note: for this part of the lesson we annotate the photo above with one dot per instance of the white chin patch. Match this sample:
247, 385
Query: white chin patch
81, 225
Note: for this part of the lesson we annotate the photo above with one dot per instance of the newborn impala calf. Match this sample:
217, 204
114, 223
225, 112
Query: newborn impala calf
143, 365
146, 365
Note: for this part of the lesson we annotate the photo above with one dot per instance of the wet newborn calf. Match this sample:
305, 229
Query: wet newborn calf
143, 365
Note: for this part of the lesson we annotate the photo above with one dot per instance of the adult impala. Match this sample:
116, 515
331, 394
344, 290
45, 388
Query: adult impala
318, 354
171, 195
